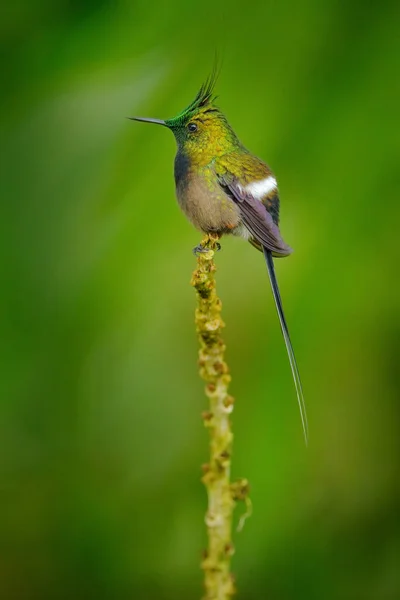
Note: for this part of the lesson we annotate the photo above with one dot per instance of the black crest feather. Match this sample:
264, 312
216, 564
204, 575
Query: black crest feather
205, 94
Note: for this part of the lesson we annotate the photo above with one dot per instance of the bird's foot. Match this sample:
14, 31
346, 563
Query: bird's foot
199, 249
202, 250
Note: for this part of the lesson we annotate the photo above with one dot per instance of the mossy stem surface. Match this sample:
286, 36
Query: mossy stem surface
214, 370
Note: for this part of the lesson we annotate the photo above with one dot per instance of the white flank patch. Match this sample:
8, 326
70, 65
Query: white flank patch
259, 189
242, 231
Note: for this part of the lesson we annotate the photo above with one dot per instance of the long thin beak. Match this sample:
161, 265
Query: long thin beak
145, 120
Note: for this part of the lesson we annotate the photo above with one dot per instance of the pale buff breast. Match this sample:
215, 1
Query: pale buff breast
205, 203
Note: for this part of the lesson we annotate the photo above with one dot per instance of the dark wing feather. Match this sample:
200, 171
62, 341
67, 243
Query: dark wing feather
256, 217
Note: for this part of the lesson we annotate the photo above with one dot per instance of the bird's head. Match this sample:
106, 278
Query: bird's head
201, 129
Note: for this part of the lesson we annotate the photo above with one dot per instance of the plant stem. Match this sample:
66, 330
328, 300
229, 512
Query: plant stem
214, 370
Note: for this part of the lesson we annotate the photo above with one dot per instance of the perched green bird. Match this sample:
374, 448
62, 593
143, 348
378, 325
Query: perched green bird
222, 188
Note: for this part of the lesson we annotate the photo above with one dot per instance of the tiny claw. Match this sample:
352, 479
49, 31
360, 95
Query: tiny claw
199, 250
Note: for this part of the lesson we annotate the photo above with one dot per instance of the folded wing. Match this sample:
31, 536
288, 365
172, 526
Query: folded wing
255, 216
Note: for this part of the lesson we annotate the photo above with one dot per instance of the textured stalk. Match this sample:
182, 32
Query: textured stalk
214, 370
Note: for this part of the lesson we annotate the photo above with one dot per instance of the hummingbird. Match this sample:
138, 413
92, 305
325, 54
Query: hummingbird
223, 188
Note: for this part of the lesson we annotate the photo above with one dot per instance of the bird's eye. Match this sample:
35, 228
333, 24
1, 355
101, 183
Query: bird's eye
192, 127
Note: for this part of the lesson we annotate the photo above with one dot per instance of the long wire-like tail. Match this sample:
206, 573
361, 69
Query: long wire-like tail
293, 365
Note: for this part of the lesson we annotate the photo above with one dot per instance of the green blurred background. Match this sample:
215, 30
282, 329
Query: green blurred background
101, 435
